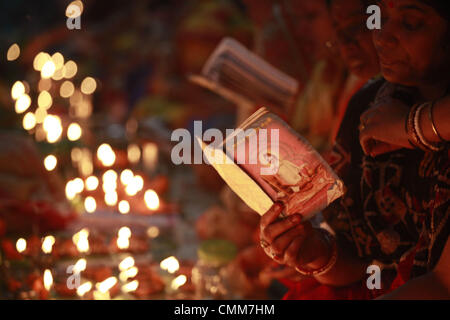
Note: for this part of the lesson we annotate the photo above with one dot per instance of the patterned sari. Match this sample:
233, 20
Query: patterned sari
395, 212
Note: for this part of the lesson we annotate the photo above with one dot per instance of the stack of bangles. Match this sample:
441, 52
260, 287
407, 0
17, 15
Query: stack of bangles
415, 134
331, 240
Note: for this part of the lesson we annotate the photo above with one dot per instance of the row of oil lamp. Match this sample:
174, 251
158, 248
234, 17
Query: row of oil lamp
126, 267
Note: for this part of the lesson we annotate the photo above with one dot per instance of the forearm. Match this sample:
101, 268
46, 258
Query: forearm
428, 286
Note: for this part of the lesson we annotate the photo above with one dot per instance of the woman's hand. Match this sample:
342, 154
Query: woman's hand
382, 127
291, 241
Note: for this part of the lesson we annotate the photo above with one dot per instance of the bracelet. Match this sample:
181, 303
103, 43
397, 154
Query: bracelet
411, 130
430, 115
331, 262
423, 141
407, 131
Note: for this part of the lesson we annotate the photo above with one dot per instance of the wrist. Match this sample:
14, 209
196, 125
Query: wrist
326, 262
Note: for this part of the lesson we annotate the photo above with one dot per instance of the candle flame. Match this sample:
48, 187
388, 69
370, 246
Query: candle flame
80, 239
129, 273
106, 155
80, 265
106, 285
126, 176
84, 288
178, 282
124, 207
151, 199
91, 183
134, 153
47, 244
48, 279
50, 162
21, 245
13, 52
170, 264
23, 103
131, 286
111, 198
29, 121
48, 69
90, 204
17, 90
74, 132
126, 263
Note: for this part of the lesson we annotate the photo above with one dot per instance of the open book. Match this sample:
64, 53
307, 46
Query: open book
244, 78
264, 161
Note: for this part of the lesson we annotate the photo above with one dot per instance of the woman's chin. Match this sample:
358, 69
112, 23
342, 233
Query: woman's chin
394, 77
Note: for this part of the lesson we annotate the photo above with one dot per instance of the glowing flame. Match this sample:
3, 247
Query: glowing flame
17, 90
52, 125
13, 52
50, 162
150, 155
74, 132
48, 69
45, 100
111, 198
58, 60
29, 121
170, 264
131, 286
78, 185
126, 176
47, 244
21, 245
106, 285
124, 207
151, 199
91, 183
23, 103
129, 273
178, 282
67, 89
58, 74
40, 115
123, 238
88, 85
123, 243
90, 204
124, 232
152, 232
48, 279
131, 189
80, 239
80, 265
71, 190
126, 263
70, 69
134, 153
101, 296
86, 166
84, 288
39, 61
106, 155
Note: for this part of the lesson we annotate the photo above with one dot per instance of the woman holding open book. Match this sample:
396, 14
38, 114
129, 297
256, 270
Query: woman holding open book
395, 213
